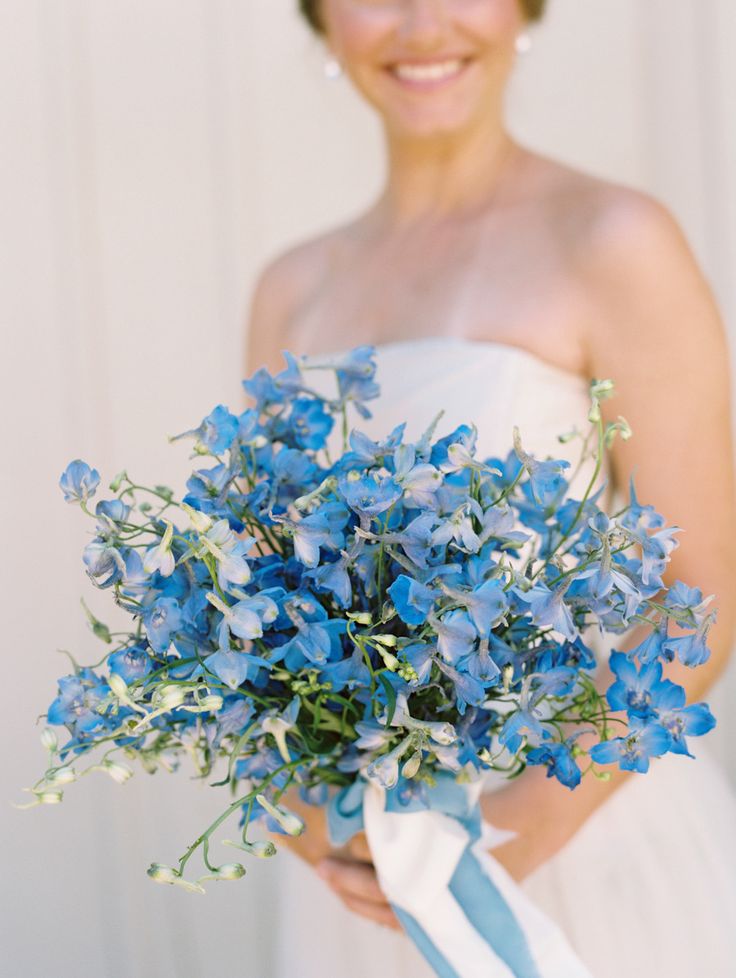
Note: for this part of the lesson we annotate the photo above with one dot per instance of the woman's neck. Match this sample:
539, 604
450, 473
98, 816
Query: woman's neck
445, 177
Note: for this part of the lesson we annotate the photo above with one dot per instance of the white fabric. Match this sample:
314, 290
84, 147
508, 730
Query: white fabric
648, 885
416, 854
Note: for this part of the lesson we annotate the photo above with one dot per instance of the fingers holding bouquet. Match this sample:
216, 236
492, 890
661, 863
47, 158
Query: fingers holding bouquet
348, 870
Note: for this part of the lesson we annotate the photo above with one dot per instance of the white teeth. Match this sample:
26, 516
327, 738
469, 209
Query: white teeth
428, 72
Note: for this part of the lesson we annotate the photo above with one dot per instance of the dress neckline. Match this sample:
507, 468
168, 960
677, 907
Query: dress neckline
495, 347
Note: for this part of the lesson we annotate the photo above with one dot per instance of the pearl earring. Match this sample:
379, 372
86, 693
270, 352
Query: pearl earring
332, 69
523, 43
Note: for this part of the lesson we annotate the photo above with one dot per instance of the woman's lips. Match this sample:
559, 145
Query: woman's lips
427, 75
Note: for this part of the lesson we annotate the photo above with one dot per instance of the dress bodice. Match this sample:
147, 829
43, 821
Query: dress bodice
493, 385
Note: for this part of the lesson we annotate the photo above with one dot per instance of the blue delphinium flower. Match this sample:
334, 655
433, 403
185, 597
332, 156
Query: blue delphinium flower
310, 423
416, 538
548, 607
413, 601
369, 494
682, 597
486, 604
78, 481
691, 649
332, 576
523, 722
161, 621
637, 691
458, 526
680, 720
235, 666
559, 761
322, 528
652, 647
216, 432
114, 510
348, 673
248, 616
546, 478
633, 750
468, 691
130, 663
355, 373
456, 635
104, 562
77, 704
419, 480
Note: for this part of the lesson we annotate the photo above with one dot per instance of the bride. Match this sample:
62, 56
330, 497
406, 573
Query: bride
495, 282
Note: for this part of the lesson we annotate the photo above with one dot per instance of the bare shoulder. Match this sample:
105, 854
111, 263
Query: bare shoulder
603, 218
644, 289
284, 286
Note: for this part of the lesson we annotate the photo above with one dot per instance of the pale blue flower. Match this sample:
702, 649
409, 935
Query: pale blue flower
78, 481
680, 720
559, 761
456, 635
310, 423
632, 751
413, 601
369, 494
161, 621
548, 607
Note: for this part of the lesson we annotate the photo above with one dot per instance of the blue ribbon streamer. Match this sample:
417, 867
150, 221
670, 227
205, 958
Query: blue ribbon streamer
484, 906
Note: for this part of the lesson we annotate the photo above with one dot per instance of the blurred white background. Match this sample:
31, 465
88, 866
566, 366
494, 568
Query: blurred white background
153, 154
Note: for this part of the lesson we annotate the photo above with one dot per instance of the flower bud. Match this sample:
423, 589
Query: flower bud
389, 640
390, 660
200, 522
49, 797
213, 702
63, 775
440, 731
411, 767
262, 849
119, 687
160, 873
118, 772
361, 617
289, 822
49, 739
230, 871
171, 696
601, 388
118, 481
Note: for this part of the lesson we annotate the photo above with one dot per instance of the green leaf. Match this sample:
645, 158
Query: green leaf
390, 697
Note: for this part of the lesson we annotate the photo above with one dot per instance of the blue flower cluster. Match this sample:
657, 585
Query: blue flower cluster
403, 609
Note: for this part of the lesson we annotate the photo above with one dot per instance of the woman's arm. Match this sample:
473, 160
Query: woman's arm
658, 335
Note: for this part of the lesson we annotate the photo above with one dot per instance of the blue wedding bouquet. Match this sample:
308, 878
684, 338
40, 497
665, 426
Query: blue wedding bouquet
405, 616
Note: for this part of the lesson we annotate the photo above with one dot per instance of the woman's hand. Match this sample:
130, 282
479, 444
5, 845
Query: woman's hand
347, 870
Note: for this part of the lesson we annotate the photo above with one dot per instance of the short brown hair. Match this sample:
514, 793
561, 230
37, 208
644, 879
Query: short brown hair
534, 10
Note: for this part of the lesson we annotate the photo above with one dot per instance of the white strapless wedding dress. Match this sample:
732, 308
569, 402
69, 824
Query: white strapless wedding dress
647, 887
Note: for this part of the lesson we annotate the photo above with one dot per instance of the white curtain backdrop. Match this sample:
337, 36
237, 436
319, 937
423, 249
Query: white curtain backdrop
153, 154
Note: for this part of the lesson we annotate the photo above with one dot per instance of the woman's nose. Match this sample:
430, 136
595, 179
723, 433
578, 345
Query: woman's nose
424, 23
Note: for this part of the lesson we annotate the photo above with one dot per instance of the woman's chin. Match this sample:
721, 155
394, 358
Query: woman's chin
429, 125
